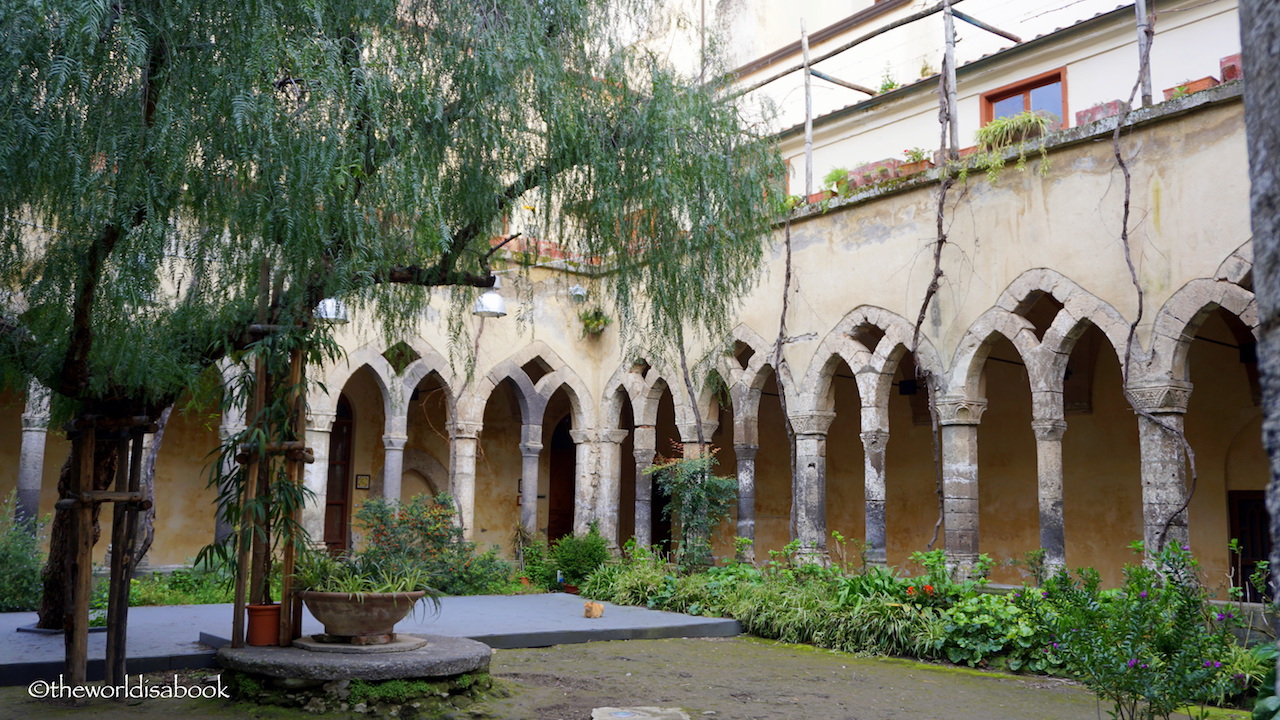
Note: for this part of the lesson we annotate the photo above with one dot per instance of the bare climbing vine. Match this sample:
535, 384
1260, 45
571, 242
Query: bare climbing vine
781, 369
1144, 65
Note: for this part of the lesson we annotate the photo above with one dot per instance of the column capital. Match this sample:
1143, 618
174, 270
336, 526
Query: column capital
689, 431
814, 423
1169, 397
1047, 430
465, 430
321, 421
530, 449
960, 410
617, 437
394, 441
35, 422
587, 435
746, 451
875, 441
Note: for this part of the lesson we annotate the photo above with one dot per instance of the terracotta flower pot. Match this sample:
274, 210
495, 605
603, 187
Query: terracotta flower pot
1189, 87
359, 614
264, 625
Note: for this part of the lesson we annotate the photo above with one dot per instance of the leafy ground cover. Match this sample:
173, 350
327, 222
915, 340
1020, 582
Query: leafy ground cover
1146, 648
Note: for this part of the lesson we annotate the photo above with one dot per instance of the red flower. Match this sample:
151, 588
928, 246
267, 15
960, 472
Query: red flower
928, 589
911, 589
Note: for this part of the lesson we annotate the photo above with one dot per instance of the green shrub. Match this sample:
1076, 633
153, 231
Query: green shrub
1149, 648
997, 630
422, 532
20, 560
699, 502
578, 557
539, 564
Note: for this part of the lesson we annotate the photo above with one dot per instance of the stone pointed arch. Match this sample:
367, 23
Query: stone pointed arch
1080, 309
581, 406
623, 382
336, 377
972, 351
428, 363
471, 403
1178, 320
1238, 265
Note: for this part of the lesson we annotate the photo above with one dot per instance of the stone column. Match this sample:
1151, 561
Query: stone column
586, 478
746, 454
609, 498
646, 441
1164, 467
874, 443
222, 529
530, 456
35, 421
464, 437
959, 417
809, 487
393, 465
316, 474
1049, 490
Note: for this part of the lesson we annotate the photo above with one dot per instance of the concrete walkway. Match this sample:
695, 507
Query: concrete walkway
185, 636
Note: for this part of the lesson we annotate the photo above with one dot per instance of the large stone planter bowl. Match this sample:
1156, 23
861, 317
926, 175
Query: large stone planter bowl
360, 614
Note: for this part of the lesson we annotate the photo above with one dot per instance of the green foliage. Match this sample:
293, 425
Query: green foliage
197, 586
539, 565
1150, 648
983, 630
421, 533
594, 320
365, 148
20, 560
578, 557
358, 574
700, 501
887, 81
837, 181
916, 154
1008, 133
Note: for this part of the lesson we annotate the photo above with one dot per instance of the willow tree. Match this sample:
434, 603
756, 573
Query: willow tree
154, 153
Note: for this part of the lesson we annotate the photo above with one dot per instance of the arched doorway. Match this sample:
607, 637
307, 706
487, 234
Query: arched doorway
337, 504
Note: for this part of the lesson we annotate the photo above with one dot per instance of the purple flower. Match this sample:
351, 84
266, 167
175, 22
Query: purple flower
1143, 595
1186, 548
1217, 664
1208, 663
1044, 593
1055, 646
1221, 616
1133, 662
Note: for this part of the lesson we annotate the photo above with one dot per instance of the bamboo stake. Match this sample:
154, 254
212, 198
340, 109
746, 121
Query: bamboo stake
292, 468
77, 634
118, 585
245, 536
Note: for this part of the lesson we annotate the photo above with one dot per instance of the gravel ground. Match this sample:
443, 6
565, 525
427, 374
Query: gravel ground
720, 679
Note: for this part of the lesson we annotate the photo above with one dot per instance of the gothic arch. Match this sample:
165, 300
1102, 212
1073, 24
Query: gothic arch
340, 373
972, 351
1178, 320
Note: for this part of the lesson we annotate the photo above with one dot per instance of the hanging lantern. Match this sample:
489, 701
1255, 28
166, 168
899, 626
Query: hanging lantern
491, 304
332, 310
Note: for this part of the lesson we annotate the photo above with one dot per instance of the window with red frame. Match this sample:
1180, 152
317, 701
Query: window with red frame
1045, 94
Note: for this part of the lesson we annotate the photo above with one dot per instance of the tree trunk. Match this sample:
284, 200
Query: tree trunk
147, 522
1260, 40
54, 574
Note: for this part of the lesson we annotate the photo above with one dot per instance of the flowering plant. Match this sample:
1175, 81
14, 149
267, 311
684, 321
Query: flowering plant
1150, 648
916, 154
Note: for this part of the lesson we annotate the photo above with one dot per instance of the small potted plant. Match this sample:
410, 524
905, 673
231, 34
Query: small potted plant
356, 599
837, 181
1190, 86
594, 321
918, 160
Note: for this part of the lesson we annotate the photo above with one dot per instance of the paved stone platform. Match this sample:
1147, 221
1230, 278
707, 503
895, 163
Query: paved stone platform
186, 636
440, 657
